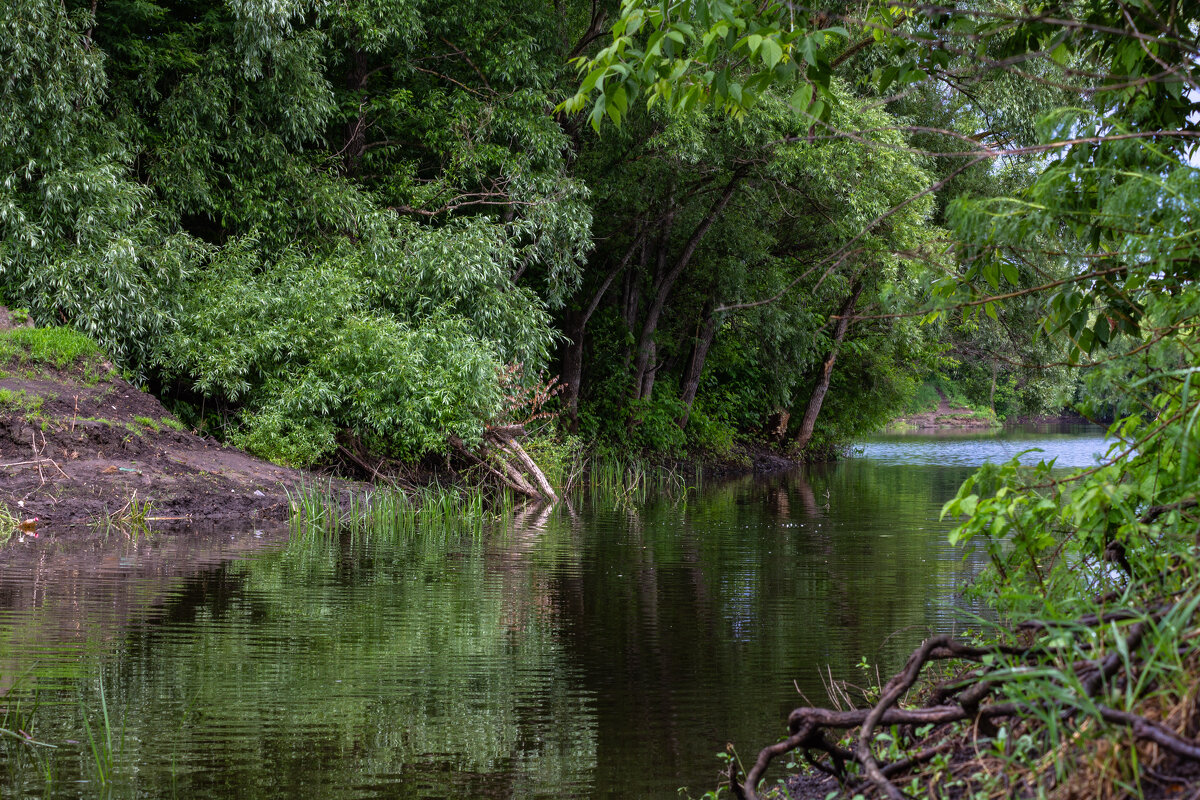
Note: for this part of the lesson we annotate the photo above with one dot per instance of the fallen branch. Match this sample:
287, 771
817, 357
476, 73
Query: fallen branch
963, 699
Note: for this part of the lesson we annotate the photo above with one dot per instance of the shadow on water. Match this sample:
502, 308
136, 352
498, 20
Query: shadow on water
601, 650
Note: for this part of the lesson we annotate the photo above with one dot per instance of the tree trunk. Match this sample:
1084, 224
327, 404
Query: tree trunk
664, 286
992, 391
813, 409
572, 369
691, 378
647, 386
575, 324
355, 137
631, 300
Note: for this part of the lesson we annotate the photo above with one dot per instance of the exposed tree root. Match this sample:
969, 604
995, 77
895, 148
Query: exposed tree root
1079, 691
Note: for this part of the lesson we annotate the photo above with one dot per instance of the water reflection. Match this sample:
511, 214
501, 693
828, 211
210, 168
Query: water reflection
599, 650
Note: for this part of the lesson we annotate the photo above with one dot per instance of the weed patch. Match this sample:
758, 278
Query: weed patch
58, 347
20, 402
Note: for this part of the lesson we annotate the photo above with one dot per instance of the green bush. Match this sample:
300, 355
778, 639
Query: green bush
306, 345
925, 400
291, 442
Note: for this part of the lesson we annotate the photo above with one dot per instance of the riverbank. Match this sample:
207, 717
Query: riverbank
79, 443
946, 416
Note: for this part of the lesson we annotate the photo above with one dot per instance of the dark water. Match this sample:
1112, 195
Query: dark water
608, 650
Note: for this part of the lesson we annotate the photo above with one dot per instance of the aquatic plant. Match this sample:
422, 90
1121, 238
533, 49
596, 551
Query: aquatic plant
100, 741
324, 508
132, 519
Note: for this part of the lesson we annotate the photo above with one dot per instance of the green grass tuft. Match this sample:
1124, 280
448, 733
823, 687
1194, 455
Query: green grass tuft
59, 347
20, 402
8, 523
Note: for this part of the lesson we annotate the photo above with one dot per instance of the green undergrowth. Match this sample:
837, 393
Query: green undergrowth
474, 505
924, 401
9, 523
21, 402
637, 480
36, 747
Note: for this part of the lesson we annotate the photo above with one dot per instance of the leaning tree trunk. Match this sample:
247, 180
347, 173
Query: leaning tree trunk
663, 289
813, 409
695, 367
502, 456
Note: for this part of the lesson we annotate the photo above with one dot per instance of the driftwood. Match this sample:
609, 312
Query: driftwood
962, 699
502, 457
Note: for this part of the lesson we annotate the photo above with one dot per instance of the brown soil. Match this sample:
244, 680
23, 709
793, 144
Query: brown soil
71, 452
946, 416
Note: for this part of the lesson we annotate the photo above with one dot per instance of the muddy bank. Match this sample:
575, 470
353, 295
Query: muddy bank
76, 443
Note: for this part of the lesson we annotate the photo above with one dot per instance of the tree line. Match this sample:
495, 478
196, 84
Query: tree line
375, 224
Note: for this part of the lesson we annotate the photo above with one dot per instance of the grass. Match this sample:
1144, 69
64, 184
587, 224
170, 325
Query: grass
95, 743
173, 424
132, 519
635, 480
18, 739
317, 507
8, 523
148, 422
100, 742
20, 402
59, 347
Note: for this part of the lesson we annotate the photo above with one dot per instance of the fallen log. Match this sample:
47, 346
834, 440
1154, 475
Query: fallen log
501, 456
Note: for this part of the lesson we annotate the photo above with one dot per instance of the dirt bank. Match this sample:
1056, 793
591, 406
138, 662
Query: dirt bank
945, 416
77, 442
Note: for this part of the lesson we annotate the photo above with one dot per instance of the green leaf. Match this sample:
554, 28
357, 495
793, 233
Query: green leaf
771, 53
1010, 273
801, 97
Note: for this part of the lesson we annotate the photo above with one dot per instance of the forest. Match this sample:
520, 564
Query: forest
374, 224
369, 234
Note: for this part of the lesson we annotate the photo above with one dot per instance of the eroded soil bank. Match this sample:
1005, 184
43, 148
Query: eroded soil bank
77, 443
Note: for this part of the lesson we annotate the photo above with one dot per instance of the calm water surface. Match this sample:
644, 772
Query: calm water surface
606, 650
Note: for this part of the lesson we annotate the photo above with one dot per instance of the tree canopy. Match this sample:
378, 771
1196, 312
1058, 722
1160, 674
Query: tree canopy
305, 221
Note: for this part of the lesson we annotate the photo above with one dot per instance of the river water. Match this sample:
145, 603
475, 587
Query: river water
610, 649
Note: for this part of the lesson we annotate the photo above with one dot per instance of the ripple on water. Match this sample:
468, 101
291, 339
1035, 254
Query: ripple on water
1067, 445
606, 651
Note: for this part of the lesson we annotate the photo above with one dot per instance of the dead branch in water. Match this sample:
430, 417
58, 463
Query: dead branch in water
501, 456
965, 700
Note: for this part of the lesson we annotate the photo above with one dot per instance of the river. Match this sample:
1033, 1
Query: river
606, 649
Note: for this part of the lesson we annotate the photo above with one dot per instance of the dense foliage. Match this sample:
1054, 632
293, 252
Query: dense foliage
307, 224
252, 204
1097, 245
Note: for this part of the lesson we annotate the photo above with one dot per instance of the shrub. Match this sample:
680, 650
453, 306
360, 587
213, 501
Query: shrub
309, 344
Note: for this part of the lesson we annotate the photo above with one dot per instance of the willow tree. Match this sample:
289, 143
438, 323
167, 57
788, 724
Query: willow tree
699, 220
325, 222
